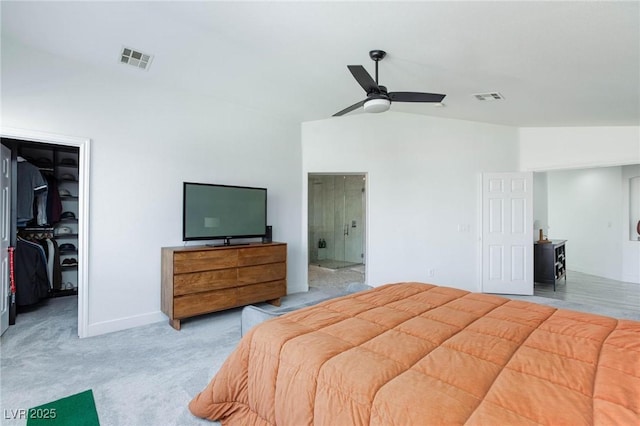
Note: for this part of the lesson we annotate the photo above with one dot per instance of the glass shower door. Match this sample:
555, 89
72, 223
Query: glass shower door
353, 234
336, 220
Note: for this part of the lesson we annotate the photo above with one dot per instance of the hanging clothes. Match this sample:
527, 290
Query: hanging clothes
40, 212
54, 203
32, 282
53, 263
43, 236
30, 182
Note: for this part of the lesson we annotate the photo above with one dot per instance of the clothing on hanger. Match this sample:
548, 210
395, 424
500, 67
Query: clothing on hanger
53, 263
30, 182
32, 282
54, 203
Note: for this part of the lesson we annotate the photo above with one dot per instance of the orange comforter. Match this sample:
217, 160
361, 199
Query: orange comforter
420, 354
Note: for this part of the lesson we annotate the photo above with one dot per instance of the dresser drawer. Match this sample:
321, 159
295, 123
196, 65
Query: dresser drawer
205, 260
204, 281
262, 273
262, 255
203, 303
260, 292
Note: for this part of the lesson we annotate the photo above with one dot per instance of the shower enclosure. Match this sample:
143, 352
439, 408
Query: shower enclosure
336, 220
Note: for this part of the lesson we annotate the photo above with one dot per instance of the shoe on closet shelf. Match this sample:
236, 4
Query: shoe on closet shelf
67, 247
62, 230
70, 262
68, 215
69, 177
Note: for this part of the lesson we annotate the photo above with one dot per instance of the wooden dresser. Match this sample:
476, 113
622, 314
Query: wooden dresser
201, 279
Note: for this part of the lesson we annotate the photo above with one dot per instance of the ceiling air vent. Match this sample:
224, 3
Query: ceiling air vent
133, 57
492, 96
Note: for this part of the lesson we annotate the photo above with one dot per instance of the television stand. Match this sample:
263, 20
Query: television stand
199, 280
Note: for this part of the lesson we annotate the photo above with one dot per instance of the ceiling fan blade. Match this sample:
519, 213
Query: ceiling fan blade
349, 109
415, 97
364, 79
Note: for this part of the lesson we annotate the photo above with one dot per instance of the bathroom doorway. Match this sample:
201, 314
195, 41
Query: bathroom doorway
336, 227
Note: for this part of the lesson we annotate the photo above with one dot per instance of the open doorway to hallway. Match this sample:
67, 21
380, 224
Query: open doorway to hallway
336, 229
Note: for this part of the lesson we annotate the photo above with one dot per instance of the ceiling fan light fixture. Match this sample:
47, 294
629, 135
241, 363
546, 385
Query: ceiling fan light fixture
377, 105
378, 97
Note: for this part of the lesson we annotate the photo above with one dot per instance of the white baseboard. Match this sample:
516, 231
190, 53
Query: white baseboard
119, 324
631, 278
586, 269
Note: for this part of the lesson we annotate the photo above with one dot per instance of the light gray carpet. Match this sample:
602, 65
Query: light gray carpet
143, 376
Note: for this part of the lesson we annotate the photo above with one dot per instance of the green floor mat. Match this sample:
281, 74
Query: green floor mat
74, 410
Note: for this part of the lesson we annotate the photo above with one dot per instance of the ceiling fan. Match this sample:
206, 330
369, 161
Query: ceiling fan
378, 99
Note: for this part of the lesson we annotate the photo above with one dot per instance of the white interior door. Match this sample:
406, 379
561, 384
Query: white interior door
507, 233
5, 238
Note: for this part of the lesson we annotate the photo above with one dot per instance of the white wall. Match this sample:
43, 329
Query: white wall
630, 218
549, 148
585, 208
590, 208
145, 141
422, 184
540, 205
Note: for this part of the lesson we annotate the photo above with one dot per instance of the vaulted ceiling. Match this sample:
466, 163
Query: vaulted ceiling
555, 63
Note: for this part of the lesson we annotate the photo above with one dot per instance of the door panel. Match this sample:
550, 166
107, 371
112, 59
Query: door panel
5, 209
507, 233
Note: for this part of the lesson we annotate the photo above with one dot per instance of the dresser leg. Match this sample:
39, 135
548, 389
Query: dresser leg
175, 323
274, 302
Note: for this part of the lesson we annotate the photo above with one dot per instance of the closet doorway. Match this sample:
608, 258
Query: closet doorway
336, 228
76, 201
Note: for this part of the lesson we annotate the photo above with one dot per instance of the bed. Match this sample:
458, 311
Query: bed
415, 353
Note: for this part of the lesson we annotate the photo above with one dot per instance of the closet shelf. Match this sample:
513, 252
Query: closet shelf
43, 228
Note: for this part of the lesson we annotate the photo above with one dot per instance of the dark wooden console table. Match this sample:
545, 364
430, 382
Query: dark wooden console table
550, 262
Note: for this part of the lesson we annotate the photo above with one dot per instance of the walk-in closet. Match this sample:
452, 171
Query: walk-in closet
41, 212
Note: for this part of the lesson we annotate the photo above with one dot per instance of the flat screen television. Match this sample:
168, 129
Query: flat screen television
223, 212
